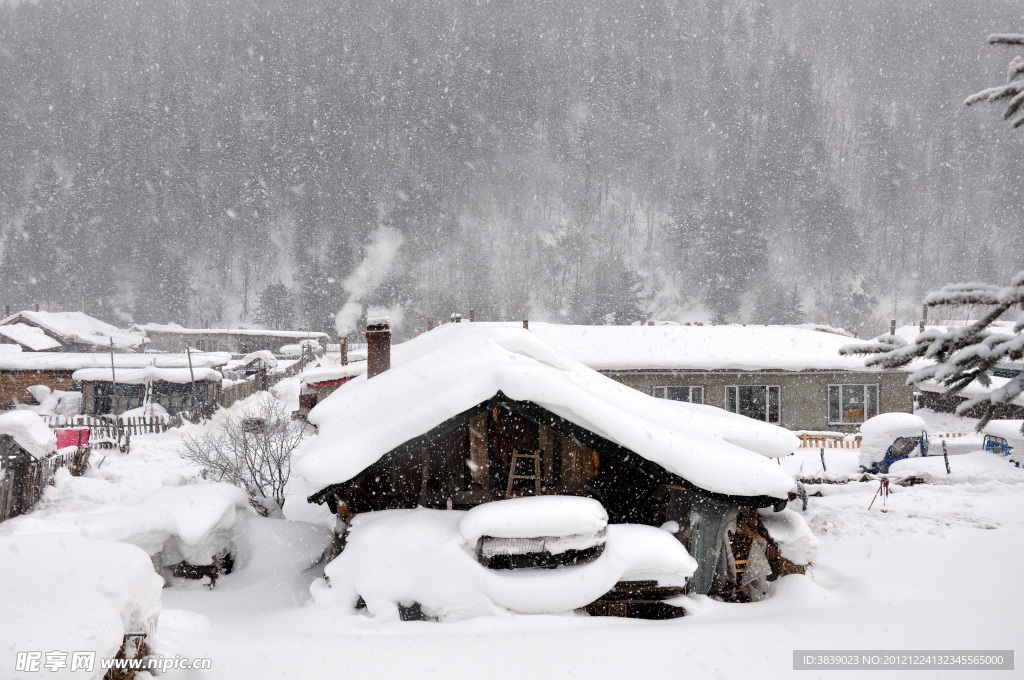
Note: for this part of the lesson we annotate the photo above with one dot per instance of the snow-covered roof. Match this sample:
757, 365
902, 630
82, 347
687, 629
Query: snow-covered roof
266, 356
459, 366
709, 348
30, 432
181, 330
141, 376
31, 338
73, 361
76, 327
322, 374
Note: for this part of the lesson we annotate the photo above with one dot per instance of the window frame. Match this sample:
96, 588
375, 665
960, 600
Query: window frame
864, 395
735, 390
690, 388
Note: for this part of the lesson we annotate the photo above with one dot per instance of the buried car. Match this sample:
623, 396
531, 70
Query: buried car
891, 437
535, 555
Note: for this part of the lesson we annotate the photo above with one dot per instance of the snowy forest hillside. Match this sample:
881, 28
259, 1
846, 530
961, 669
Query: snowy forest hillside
574, 161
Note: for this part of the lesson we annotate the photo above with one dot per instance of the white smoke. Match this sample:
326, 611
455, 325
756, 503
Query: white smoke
371, 272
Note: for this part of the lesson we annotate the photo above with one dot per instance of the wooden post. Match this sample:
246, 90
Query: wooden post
344, 351
892, 327
192, 376
472, 315
526, 324
945, 456
823, 468
430, 323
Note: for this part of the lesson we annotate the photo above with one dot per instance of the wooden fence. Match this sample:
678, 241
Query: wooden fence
23, 479
100, 427
232, 393
833, 441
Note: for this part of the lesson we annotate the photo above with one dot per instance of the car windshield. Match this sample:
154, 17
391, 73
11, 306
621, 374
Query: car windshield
902, 447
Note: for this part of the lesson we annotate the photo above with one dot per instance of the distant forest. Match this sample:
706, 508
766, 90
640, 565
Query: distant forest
221, 161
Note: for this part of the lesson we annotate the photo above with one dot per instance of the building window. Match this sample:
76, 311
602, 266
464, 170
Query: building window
852, 403
760, 402
694, 395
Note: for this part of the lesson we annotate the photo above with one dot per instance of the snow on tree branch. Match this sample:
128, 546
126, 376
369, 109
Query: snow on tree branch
1013, 90
961, 355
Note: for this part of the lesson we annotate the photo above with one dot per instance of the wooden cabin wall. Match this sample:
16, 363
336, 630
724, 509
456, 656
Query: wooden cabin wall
14, 384
470, 465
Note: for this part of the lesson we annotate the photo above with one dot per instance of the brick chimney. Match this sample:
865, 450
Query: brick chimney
378, 345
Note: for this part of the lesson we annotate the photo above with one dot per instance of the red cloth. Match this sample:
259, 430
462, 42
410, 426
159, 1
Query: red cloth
72, 437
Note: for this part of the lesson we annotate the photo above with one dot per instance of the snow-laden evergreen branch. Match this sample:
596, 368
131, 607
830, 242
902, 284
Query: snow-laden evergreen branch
961, 355
1013, 90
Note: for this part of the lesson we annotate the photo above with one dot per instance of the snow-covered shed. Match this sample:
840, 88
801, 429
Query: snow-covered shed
79, 332
473, 413
25, 445
175, 338
105, 390
20, 371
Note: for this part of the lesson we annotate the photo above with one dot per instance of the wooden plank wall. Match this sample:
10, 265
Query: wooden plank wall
13, 385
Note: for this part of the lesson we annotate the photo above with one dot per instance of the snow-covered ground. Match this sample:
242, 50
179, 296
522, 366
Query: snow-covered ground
938, 569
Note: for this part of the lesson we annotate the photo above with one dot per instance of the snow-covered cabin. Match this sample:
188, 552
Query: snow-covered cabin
175, 338
56, 370
78, 332
473, 413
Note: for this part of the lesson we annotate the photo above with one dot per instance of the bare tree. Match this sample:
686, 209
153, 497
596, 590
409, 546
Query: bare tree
1013, 90
251, 450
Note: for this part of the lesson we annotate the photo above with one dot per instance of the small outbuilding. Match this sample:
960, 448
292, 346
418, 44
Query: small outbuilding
177, 390
475, 413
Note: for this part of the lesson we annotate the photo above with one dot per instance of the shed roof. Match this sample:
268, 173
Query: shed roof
181, 330
78, 328
30, 432
457, 367
31, 338
141, 376
73, 361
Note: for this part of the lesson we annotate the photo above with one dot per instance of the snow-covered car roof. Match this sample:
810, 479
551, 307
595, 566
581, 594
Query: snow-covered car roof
457, 367
79, 328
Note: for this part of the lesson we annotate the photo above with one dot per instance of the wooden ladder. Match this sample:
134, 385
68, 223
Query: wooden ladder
513, 470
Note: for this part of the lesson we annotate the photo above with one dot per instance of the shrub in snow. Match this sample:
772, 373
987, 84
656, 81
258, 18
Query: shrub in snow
251, 450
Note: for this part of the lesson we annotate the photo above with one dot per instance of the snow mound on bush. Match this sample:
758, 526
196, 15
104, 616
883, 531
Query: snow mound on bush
68, 593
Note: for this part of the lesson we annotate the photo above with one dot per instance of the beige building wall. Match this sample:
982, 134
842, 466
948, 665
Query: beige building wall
803, 395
